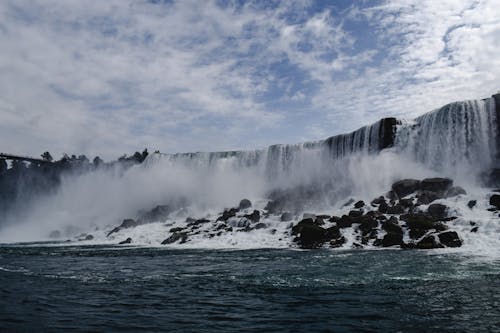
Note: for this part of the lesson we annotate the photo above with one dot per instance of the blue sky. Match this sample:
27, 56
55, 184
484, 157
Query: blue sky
111, 77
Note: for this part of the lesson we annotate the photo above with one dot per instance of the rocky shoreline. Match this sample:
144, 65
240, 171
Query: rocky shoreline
406, 217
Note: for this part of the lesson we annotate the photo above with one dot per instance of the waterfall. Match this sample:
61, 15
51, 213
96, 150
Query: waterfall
460, 136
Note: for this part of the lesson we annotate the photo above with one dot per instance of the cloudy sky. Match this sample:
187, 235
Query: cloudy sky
115, 76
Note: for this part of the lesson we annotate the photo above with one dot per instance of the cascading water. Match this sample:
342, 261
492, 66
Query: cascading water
460, 140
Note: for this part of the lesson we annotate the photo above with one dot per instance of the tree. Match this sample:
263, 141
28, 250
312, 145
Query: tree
3, 165
47, 157
97, 161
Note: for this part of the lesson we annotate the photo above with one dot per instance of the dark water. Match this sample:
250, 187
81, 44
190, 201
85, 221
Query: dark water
106, 289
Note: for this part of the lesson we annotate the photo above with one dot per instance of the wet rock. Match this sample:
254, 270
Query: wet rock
85, 237
359, 204
440, 185
366, 223
474, 229
419, 224
319, 221
244, 204
348, 202
227, 214
310, 236
285, 217
127, 223
260, 226
392, 239
392, 226
344, 222
178, 236
454, 191
126, 241
406, 186
428, 242
472, 203
158, 213
437, 211
450, 239
406, 203
333, 233
383, 207
378, 201
254, 217
396, 209
176, 229
426, 197
197, 222
337, 242
55, 234
495, 201
355, 213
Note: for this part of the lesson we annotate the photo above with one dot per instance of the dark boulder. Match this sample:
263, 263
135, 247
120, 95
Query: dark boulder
176, 229
450, 239
437, 211
495, 200
285, 217
344, 222
396, 209
311, 236
475, 229
198, 222
88, 237
392, 226
333, 233
227, 214
355, 213
337, 242
244, 204
177, 236
428, 242
260, 226
419, 224
359, 204
440, 185
392, 239
158, 213
406, 203
472, 203
426, 197
383, 207
127, 223
378, 201
406, 186
254, 217
126, 241
367, 223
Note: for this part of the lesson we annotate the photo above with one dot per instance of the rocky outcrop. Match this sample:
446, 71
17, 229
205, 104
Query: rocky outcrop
495, 201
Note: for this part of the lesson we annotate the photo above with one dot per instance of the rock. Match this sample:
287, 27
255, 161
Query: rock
348, 202
254, 217
495, 200
359, 204
396, 209
89, 237
127, 223
319, 221
419, 224
428, 242
55, 234
227, 214
437, 211
333, 233
344, 222
474, 229
176, 229
355, 213
392, 239
406, 203
378, 201
260, 226
440, 185
178, 236
244, 204
392, 227
296, 229
406, 186
366, 223
450, 239
454, 191
197, 222
311, 236
426, 197
383, 207
337, 242
285, 217
471, 204
159, 213
126, 241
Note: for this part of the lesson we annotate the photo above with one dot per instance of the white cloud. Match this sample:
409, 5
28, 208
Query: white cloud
108, 77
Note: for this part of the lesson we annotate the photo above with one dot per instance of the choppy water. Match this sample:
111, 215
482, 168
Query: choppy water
111, 289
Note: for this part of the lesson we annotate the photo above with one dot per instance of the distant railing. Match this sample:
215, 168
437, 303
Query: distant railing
23, 158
